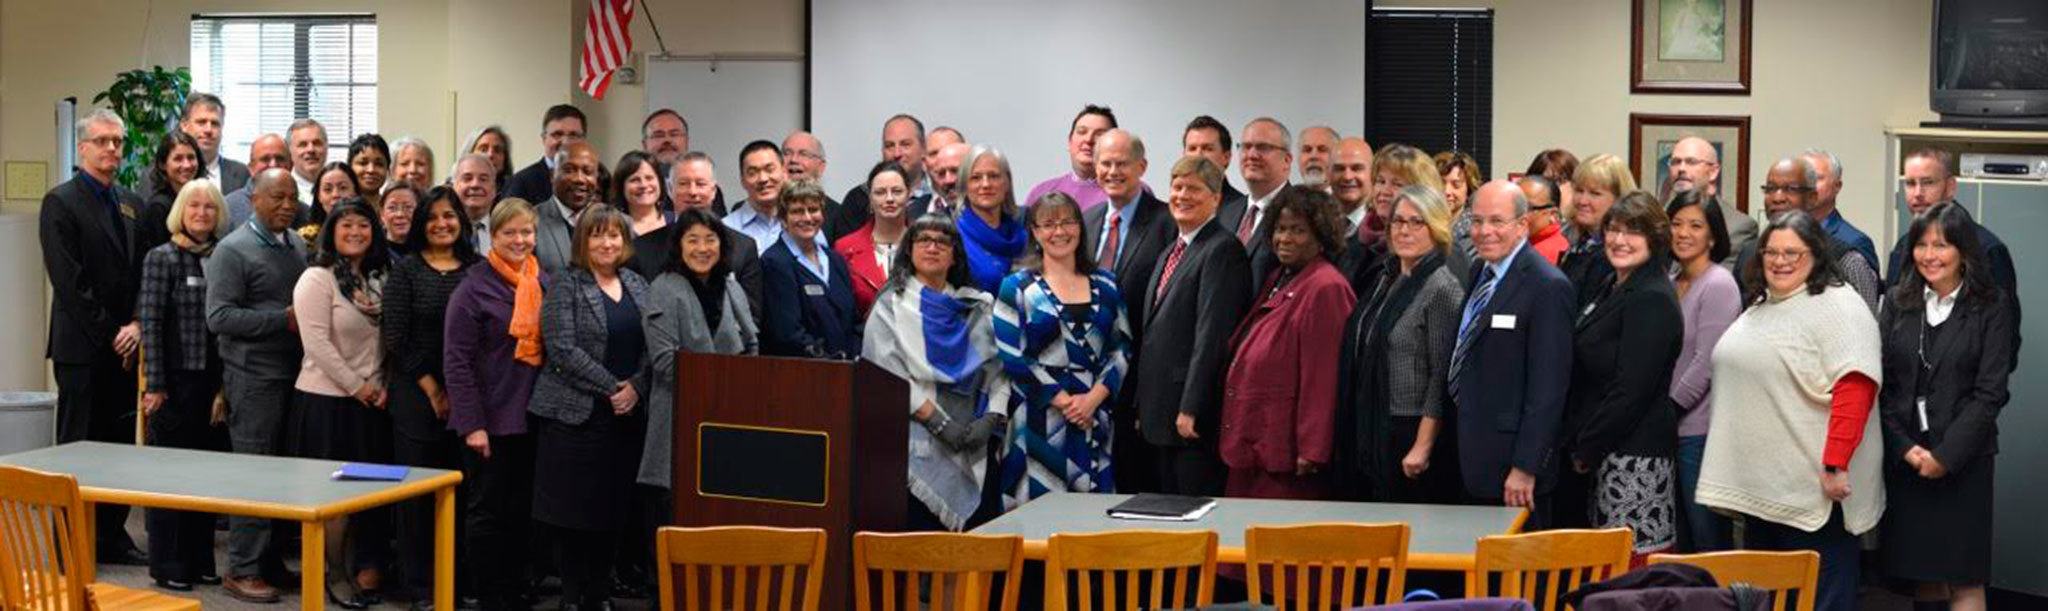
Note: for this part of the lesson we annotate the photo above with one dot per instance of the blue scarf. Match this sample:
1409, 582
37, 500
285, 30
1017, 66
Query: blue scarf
991, 251
948, 344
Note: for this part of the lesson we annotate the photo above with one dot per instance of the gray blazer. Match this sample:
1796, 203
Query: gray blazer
674, 321
1419, 346
249, 282
553, 237
572, 328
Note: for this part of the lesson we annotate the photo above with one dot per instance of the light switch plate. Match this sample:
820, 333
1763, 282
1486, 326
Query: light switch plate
27, 179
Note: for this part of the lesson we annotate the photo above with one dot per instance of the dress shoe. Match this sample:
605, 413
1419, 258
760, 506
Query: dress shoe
174, 585
207, 580
250, 590
125, 556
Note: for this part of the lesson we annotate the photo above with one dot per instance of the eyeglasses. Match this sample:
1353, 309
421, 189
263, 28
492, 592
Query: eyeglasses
1496, 223
1406, 223
1785, 256
1260, 148
1776, 189
108, 141
941, 242
1689, 161
1067, 223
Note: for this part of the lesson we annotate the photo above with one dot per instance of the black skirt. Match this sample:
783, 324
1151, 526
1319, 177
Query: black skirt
337, 428
583, 473
1939, 530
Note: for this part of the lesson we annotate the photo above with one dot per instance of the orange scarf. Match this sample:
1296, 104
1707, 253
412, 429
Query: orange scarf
525, 306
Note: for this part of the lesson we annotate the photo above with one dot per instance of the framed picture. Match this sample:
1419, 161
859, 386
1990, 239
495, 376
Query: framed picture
1690, 46
1652, 138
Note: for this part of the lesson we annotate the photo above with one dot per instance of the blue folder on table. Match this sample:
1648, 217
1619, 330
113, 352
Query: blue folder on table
370, 472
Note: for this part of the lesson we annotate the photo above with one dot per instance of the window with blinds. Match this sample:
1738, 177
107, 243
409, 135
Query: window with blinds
273, 69
1429, 79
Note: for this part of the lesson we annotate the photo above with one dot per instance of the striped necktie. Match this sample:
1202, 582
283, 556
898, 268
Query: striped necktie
1469, 330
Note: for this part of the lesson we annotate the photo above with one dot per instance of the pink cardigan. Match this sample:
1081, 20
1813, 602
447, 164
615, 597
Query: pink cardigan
344, 350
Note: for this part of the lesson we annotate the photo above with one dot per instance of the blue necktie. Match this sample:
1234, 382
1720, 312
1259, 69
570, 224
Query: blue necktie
1468, 330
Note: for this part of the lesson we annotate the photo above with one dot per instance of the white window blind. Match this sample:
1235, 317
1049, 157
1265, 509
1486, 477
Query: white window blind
273, 69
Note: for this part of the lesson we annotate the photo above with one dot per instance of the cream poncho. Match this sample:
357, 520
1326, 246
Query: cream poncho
1774, 372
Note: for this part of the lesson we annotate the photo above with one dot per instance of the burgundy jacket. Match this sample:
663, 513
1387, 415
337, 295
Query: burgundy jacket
1280, 397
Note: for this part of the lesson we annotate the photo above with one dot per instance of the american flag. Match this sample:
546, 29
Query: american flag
607, 39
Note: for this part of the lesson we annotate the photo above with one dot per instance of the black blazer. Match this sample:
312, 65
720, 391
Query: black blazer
1972, 358
1623, 352
653, 252
1151, 232
1511, 394
1186, 349
808, 317
534, 183
1995, 253
92, 265
1587, 269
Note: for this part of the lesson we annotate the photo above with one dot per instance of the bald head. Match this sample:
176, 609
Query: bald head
273, 198
804, 155
1497, 211
576, 174
945, 169
268, 151
1350, 177
1314, 155
1119, 163
1694, 163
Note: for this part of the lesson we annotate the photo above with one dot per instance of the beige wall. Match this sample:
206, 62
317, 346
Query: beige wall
1825, 73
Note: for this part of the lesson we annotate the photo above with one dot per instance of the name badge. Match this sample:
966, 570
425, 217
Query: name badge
195, 281
814, 290
1504, 321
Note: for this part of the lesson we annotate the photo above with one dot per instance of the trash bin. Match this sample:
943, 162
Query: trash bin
28, 420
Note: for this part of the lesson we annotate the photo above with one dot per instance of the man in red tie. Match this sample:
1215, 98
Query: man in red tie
1126, 237
1197, 295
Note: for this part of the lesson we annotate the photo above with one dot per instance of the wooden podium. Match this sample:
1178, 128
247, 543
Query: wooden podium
796, 443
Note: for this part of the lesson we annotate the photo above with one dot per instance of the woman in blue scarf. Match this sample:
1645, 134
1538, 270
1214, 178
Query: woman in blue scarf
932, 328
994, 237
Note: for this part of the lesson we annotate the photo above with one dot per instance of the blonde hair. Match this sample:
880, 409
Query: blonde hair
1413, 165
1605, 171
1436, 212
1203, 169
511, 209
195, 188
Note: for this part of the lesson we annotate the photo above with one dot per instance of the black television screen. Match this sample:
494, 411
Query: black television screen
1991, 45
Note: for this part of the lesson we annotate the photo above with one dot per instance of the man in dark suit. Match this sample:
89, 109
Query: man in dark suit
265, 153
1512, 359
1350, 181
562, 124
903, 141
87, 227
1126, 235
943, 165
665, 136
1208, 137
1931, 180
575, 188
1196, 294
201, 119
692, 183
1264, 159
803, 158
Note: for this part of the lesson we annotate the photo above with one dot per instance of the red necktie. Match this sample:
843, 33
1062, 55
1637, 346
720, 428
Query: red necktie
1246, 223
1166, 273
1109, 243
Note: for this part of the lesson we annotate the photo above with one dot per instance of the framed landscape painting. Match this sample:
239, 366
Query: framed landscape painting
1651, 138
1690, 46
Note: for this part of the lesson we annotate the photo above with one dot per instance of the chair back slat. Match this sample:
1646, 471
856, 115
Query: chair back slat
934, 570
1073, 562
1542, 567
42, 535
1319, 566
765, 556
1787, 575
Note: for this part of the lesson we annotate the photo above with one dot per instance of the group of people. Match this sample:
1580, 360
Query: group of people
1391, 327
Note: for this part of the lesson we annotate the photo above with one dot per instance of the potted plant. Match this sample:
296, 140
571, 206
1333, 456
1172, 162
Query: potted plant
149, 102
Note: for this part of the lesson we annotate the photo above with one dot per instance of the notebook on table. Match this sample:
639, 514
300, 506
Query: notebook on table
356, 471
1163, 507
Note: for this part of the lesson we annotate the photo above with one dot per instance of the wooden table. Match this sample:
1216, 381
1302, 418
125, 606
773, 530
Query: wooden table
1441, 537
274, 487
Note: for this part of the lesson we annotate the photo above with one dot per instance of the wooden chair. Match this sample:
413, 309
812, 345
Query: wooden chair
1125, 564
762, 561
1785, 574
958, 569
1542, 567
42, 538
1319, 558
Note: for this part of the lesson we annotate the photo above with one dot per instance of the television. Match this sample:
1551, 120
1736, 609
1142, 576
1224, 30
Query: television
1991, 62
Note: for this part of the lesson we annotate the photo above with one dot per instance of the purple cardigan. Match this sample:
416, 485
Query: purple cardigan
486, 389
1709, 306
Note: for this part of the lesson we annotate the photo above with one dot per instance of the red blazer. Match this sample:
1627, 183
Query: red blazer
859, 249
1280, 397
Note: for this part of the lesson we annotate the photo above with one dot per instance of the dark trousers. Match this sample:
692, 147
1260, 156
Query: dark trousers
1841, 555
653, 508
256, 410
96, 402
582, 558
1136, 462
421, 446
500, 519
181, 542
1192, 470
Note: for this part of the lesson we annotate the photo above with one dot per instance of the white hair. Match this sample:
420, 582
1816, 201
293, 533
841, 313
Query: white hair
100, 116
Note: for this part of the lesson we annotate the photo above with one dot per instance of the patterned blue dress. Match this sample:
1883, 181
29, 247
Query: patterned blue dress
1048, 347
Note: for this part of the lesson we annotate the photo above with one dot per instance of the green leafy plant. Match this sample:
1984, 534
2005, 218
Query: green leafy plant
149, 102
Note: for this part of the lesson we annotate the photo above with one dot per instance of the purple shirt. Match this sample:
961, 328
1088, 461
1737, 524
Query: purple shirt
1084, 191
1709, 306
487, 389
